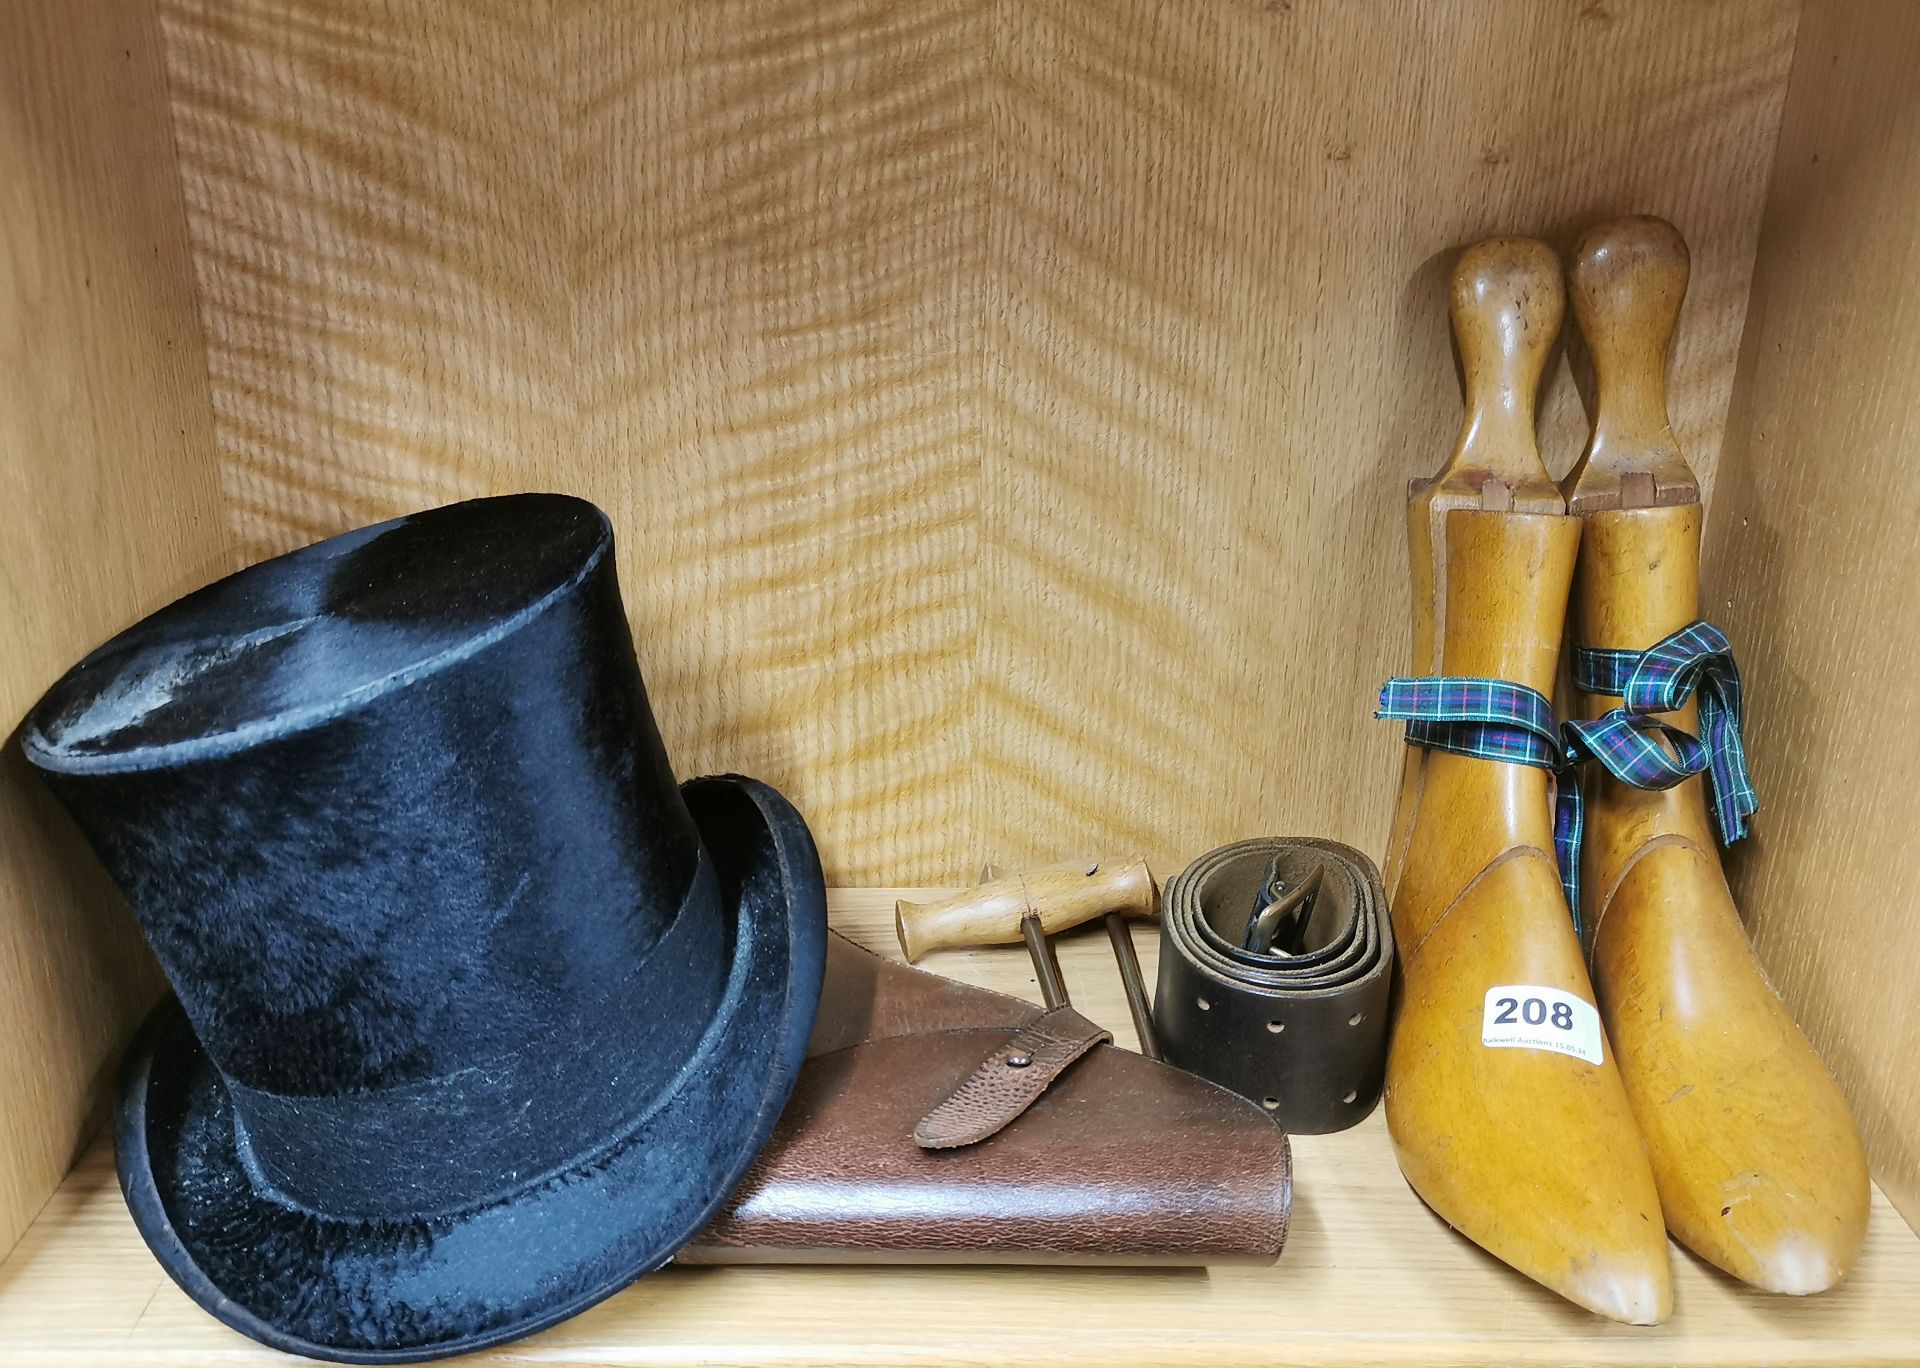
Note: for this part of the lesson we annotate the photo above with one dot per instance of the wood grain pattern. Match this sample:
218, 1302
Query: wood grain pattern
993, 912
1369, 1277
1759, 1164
1813, 565
1507, 304
1005, 408
1567, 1196
109, 486
1001, 405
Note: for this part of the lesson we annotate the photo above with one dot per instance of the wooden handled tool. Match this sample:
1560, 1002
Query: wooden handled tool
1029, 907
990, 914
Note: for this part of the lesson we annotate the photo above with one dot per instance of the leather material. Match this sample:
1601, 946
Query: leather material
1121, 1161
1010, 1080
394, 816
1304, 1034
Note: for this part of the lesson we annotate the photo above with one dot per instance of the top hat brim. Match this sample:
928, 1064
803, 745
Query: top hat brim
408, 1289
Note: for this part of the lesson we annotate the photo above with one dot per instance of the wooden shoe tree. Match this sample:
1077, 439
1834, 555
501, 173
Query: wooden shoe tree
1759, 1166
1532, 1154
1507, 306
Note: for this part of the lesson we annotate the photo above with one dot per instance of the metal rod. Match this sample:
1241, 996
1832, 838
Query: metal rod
1053, 992
1130, 979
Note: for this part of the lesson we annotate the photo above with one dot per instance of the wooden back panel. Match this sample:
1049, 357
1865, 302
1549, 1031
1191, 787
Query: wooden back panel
1006, 410
1813, 566
109, 492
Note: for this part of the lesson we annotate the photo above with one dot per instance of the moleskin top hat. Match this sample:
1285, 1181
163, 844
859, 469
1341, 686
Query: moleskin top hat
480, 1016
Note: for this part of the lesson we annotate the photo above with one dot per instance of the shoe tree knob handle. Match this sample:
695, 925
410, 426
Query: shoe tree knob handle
990, 914
1629, 278
1507, 305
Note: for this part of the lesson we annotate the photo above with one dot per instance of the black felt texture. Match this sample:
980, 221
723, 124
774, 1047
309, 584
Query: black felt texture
395, 817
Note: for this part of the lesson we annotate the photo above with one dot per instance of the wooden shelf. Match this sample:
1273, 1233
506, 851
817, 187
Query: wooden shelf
1370, 1276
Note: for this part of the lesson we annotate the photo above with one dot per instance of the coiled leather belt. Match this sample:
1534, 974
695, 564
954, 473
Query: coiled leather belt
1276, 957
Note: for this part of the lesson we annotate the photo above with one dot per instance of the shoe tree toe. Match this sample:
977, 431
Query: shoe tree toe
1780, 1199
1532, 1155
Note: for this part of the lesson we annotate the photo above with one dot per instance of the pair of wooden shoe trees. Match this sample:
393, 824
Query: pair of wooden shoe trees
1709, 1117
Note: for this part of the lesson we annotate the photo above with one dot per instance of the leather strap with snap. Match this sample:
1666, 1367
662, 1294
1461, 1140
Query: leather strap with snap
1276, 957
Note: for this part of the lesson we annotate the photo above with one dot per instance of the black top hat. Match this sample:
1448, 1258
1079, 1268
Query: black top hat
479, 1015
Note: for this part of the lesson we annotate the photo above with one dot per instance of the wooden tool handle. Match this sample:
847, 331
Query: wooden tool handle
1629, 278
990, 914
1508, 304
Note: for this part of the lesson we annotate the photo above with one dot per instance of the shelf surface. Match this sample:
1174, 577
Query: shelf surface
1369, 1276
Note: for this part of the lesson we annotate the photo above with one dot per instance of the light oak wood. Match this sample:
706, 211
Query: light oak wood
1759, 1166
1506, 309
1369, 1277
1531, 1153
108, 484
1813, 567
959, 376
1629, 282
991, 913
1567, 1197
1002, 406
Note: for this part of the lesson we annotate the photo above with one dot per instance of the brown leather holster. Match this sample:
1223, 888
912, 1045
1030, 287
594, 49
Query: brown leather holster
1116, 1160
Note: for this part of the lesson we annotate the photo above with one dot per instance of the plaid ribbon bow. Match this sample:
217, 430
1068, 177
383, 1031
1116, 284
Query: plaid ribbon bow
1494, 719
1697, 659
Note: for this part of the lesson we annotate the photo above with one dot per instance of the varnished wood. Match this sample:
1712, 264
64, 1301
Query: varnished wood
852, 274
1369, 1277
1629, 279
1530, 1153
108, 487
990, 913
1003, 407
937, 470
1813, 567
1506, 308
1759, 1166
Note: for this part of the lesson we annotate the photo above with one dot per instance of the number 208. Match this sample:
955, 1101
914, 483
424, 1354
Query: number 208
1534, 1012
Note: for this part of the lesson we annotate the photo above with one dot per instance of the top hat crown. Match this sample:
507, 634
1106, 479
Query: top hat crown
394, 815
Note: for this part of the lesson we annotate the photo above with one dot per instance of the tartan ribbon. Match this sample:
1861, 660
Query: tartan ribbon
1696, 661
1495, 719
